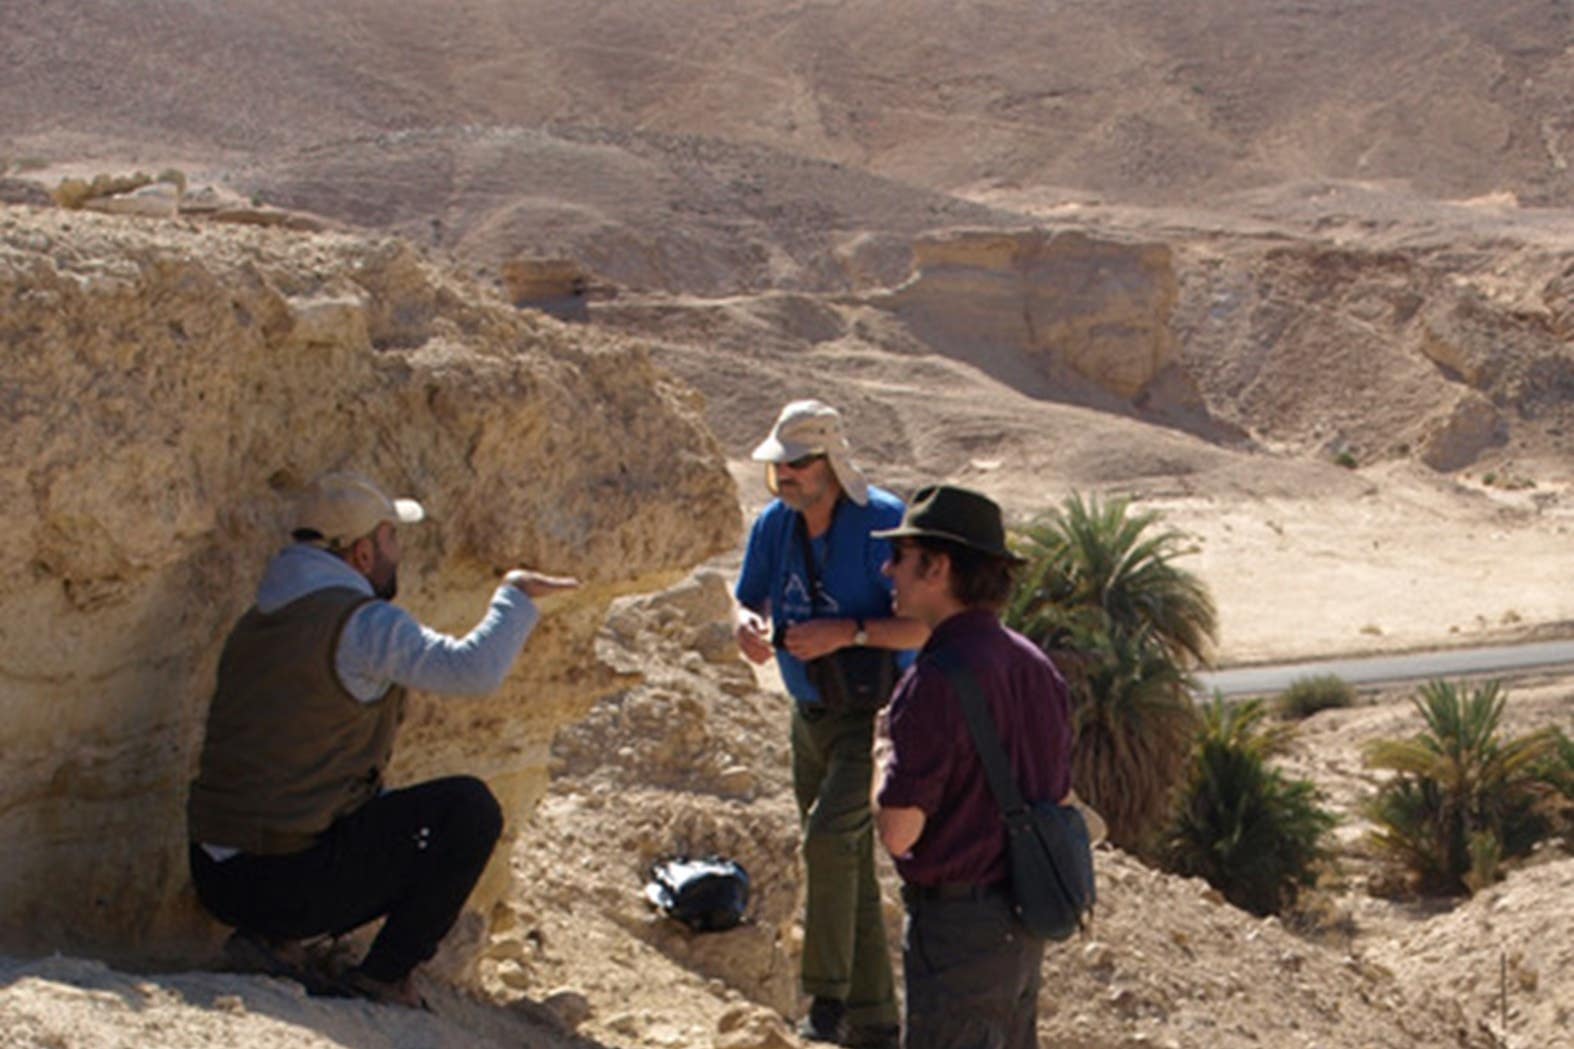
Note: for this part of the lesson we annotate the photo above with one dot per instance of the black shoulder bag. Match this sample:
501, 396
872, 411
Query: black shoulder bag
1047, 845
856, 678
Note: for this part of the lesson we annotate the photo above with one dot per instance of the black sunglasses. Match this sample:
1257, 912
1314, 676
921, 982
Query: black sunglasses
803, 462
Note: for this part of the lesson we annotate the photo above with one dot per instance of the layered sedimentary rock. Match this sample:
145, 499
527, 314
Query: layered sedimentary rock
165, 392
1095, 308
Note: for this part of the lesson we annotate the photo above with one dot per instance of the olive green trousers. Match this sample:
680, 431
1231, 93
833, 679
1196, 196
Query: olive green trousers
844, 945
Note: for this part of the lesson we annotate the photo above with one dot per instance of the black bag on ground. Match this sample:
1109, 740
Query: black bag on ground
1047, 843
707, 895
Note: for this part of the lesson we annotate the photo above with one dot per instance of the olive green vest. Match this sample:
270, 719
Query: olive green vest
288, 750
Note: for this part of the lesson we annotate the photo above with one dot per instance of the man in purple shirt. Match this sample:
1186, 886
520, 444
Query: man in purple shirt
972, 970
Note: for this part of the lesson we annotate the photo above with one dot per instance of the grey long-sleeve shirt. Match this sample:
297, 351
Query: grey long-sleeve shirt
383, 645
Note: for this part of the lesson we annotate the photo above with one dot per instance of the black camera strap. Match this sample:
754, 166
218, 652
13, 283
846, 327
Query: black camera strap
810, 565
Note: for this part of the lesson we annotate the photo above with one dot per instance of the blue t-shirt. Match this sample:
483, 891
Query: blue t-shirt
848, 563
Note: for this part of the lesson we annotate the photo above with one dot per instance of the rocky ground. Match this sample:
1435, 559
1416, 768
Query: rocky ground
1298, 277
692, 759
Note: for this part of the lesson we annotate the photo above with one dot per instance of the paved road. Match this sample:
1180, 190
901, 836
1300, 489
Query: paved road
1375, 670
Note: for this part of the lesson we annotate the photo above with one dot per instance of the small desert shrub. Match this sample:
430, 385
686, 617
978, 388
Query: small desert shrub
1555, 771
1308, 695
1461, 800
174, 176
75, 192
1347, 460
1252, 833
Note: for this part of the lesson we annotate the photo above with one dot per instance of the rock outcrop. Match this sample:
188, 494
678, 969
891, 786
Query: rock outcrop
1079, 305
1457, 439
560, 287
167, 390
157, 200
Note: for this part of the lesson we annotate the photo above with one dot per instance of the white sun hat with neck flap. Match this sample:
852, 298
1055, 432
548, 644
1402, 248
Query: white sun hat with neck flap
812, 428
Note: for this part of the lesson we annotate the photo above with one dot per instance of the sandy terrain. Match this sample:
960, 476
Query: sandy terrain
1363, 217
693, 759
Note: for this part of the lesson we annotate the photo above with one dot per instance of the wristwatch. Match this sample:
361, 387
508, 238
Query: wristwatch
860, 635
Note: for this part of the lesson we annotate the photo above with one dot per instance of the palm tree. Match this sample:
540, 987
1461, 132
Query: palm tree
1101, 595
1254, 835
1092, 561
1460, 799
1134, 723
1556, 771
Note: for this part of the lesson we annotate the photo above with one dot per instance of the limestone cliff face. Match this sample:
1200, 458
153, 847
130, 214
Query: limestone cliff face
1098, 309
165, 392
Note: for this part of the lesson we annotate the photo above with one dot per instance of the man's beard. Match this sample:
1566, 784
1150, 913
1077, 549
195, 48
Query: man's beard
797, 496
388, 587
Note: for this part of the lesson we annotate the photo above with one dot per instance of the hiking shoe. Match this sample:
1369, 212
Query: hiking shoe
826, 1022
872, 1036
397, 992
255, 954
250, 952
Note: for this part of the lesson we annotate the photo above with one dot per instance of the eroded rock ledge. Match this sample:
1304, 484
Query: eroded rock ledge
166, 388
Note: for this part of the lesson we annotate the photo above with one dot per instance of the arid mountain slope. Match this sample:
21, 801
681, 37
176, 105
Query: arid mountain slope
1130, 99
645, 210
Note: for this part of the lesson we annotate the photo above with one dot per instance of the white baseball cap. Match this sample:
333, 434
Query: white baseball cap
343, 507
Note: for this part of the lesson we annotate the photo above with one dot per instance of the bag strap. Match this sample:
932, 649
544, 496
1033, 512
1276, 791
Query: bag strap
809, 567
1002, 784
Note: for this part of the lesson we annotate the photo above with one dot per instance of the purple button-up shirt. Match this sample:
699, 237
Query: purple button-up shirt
934, 765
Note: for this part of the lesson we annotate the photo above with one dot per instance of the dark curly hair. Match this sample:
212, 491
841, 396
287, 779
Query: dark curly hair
978, 580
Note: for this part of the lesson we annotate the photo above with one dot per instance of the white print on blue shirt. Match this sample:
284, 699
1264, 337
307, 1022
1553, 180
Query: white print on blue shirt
774, 581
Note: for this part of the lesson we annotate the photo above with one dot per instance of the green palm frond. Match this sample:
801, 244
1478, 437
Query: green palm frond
1102, 555
1252, 833
1461, 798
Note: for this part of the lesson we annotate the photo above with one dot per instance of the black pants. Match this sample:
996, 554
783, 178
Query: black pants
972, 975
412, 855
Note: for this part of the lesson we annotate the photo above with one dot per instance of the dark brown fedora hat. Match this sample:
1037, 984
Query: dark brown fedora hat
959, 515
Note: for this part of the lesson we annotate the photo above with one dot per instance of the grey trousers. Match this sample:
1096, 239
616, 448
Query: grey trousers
972, 975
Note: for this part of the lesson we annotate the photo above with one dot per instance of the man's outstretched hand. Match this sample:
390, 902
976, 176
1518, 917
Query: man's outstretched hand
538, 584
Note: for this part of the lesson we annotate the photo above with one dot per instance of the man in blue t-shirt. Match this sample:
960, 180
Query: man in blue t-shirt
813, 569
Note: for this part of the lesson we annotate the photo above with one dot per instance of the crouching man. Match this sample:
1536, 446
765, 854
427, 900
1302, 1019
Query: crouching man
972, 970
292, 834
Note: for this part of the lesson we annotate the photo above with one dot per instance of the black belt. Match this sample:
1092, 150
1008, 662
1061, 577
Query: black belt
917, 893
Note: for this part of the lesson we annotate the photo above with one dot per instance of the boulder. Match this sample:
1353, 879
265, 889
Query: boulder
169, 389
1455, 439
206, 199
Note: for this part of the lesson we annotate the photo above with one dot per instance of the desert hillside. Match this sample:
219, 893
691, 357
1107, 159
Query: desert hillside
1297, 274
1134, 99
